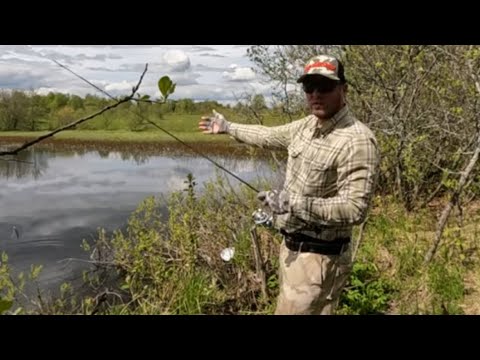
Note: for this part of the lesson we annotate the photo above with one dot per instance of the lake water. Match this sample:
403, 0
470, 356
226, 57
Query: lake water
48, 207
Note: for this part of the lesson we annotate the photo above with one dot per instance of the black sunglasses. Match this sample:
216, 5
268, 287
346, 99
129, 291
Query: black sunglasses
322, 87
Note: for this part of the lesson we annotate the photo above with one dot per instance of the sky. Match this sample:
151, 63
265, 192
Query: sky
202, 72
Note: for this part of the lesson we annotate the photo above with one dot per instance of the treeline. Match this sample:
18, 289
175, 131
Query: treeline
28, 111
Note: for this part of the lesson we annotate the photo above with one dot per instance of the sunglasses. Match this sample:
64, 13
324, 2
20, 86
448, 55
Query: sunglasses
321, 87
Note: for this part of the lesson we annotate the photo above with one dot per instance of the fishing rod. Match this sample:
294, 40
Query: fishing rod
157, 126
260, 217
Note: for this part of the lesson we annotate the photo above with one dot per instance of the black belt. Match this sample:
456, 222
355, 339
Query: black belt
304, 243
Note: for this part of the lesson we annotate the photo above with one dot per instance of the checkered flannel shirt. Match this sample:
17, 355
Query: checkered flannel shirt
331, 171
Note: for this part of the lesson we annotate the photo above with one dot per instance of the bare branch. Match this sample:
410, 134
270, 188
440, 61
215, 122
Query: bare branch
453, 201
259, 264
94, 262
66, 127
76, 122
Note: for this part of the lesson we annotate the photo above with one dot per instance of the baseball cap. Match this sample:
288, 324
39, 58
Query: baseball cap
324, 65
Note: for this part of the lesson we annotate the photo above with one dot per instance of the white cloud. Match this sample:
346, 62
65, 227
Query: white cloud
120, 86
214, 72
239, 74
177, 60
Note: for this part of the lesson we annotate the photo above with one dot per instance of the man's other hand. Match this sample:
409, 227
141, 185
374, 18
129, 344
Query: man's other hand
216, 124
276, 200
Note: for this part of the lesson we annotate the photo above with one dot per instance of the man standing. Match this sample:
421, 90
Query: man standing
332, 164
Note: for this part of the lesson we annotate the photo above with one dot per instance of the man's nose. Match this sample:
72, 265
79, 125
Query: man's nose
318, 93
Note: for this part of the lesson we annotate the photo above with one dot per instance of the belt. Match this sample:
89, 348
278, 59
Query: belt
304, 243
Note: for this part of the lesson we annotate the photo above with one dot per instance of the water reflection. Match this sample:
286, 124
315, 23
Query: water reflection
62, 197
33, 163
26, 164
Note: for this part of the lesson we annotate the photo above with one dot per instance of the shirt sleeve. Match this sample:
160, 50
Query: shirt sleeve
356, 176
277, 137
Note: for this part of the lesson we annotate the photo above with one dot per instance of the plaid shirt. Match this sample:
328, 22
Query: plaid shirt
330, 175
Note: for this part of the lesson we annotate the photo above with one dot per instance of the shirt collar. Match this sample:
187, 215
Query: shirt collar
324, 127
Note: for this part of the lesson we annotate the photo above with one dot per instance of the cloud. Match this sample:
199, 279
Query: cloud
122, 86
214, 72
212, 55
185, 79
99, 57
19, 77
176, 60
22, 75
100, 68
201, 67
239, 74
202, 48
137, 68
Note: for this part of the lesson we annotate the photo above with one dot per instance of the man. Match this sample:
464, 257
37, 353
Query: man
331, 171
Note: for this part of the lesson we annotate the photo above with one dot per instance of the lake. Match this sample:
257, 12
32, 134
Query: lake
52, 200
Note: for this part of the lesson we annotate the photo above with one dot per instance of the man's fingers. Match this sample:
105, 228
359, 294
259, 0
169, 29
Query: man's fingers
205, 127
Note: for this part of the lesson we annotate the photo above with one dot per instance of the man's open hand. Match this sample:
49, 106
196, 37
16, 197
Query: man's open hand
216, 124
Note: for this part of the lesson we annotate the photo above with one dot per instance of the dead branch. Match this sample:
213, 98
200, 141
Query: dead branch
453, 201
259, 264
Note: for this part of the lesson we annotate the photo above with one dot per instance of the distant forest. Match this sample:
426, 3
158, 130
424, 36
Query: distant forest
28, 111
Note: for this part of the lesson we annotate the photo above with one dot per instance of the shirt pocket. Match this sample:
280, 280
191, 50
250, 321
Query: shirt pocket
295, 150
295, 166
321, 179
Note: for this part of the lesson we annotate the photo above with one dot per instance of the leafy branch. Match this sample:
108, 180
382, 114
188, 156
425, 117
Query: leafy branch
79, 121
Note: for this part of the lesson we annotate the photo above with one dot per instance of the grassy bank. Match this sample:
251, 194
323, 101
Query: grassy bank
173, 266
185, 127
135, 143
155, 136
182, 126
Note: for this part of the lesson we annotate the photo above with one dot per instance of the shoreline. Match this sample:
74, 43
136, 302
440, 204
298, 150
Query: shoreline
131, 142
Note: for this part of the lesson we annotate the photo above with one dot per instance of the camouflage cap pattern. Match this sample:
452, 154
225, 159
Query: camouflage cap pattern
324, 65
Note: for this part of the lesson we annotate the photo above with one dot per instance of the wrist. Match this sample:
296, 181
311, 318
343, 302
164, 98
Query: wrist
293, 200
227, 127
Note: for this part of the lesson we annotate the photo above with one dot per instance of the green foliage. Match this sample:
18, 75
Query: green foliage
7, 287
5, 305
367, 293
10, 288
166, 86
172, 266
447, 285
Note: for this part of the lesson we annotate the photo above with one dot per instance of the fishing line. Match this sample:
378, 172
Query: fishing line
152, 123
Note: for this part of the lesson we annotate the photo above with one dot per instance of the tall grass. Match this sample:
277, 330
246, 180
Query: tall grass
389, 275
172, 265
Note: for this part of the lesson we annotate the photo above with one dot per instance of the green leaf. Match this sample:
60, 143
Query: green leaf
5, 305
165, 86
145, 97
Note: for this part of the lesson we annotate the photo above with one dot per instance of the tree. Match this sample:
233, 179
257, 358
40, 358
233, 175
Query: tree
14, 108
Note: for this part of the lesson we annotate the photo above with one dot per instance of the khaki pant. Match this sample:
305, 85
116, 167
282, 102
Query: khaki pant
311, 284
